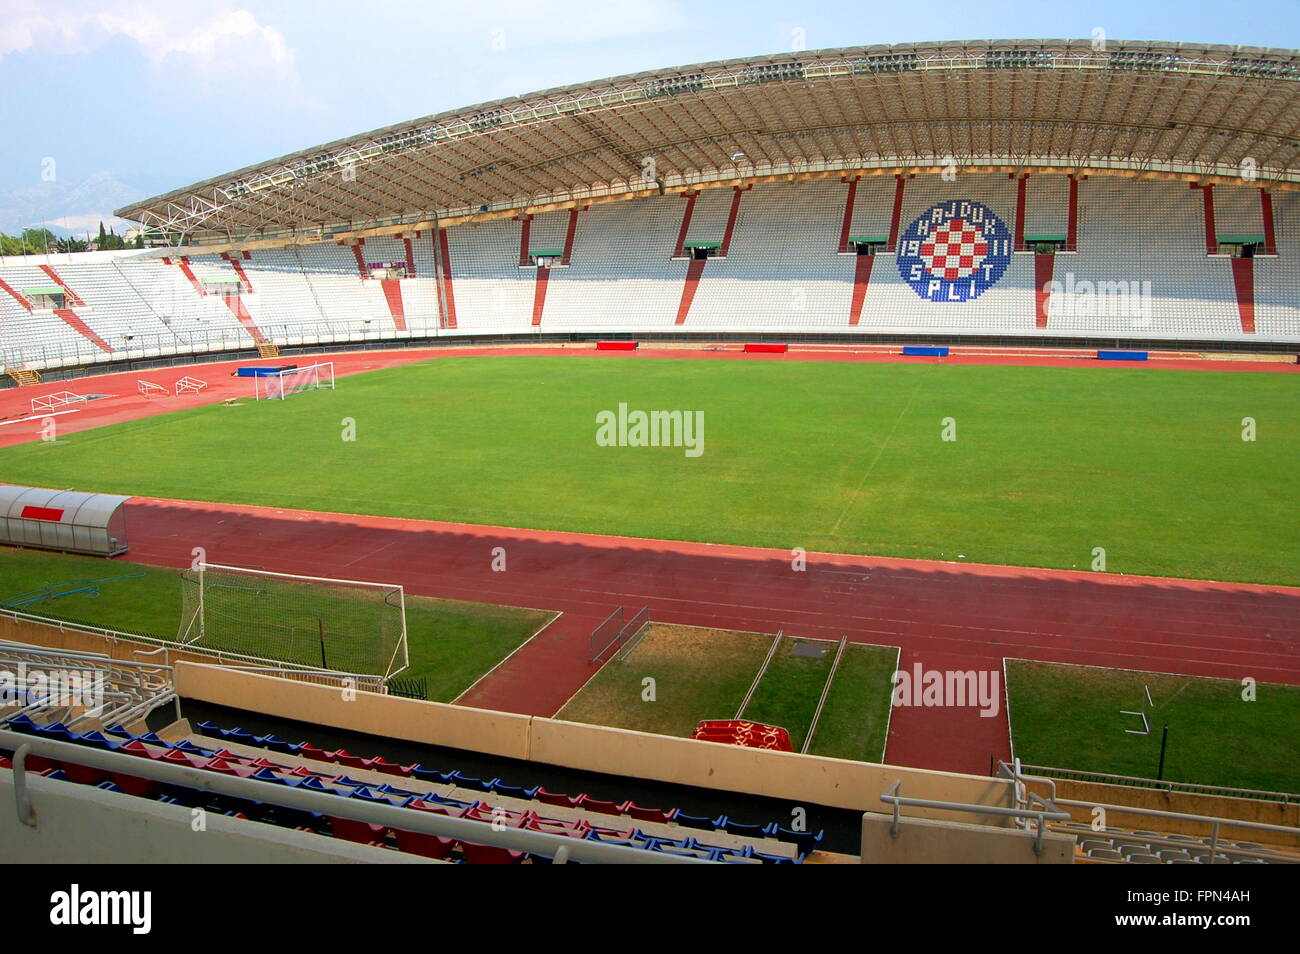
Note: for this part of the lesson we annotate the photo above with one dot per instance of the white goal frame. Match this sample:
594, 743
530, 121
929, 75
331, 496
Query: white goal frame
286, 383
194, 628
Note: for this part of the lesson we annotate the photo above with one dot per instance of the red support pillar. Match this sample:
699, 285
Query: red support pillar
524, 228
1019, 245
361, 261
410, 255
1207, 200
686, 224
731, 219
1266, 210
896, 214
693, 272
446, 279
1072, 226
569, 234
848, 213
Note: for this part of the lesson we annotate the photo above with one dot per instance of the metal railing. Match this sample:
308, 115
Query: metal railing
121, 690
1182, 788
558, 847
1015, 772
1039, 815
232, 660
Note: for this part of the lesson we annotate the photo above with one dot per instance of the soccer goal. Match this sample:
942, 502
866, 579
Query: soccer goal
345, 626
291, 381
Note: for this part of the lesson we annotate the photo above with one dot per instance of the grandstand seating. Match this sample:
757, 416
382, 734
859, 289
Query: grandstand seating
783, 272
415, 787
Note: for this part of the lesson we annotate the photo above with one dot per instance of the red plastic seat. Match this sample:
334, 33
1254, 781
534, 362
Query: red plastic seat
419, 843
557, 798
636, 811
489, 854
361, 832
589, 804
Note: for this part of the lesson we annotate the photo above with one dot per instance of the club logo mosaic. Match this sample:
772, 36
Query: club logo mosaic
954, 251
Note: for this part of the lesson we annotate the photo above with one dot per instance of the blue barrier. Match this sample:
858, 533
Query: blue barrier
1122, 355
930, 352
262, 372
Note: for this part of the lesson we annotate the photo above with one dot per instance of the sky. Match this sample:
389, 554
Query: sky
105, 102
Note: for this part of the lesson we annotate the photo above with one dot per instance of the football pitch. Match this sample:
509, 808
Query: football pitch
1028, 466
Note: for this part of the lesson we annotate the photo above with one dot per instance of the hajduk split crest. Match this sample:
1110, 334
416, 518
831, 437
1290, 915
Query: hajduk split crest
954, 251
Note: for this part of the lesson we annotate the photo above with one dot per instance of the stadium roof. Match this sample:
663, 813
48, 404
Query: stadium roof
1209, 113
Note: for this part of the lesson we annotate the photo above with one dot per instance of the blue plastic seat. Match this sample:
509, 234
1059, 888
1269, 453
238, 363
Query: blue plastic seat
432, 775
731, 826
21, 723
513, 791
694, 821
806, 840
211, 729
468, 781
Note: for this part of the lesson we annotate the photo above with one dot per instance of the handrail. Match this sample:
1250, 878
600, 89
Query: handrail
1166, 785
558, 847
1040, 815
1215, 822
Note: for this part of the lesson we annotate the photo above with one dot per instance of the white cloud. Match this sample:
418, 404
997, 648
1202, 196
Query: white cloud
215, 46
87, 223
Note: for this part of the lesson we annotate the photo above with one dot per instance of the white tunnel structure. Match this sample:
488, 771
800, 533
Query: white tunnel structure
67, 520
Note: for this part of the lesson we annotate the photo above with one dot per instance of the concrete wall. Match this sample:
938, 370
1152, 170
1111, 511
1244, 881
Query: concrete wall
801, 778
83, 825
923, 841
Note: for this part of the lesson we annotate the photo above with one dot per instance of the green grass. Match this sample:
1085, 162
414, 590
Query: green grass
704, 674
698, 674
791, 688
1069, 717
1048, 462
855, 721
451, 643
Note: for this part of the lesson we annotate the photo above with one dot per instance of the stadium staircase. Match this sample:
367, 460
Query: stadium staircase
861, 278
24, 377
693, 272
73, 299
393, 296
268, 350
539, 294
73, 321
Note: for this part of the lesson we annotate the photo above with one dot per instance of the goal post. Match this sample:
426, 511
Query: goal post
290, 381
349, 626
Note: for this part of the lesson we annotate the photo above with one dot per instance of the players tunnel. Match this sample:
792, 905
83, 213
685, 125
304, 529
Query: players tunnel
65, 520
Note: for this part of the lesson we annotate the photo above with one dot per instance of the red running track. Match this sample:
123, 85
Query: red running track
944, 616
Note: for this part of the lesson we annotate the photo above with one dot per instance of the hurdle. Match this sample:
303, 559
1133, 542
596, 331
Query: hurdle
58, 399
149, 389
189, 385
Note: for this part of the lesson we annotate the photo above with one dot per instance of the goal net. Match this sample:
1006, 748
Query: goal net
291, 381
341, 625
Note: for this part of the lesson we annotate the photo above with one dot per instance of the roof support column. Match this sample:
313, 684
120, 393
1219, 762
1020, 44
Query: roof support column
1072, 221
1207, 206
1266, 211
525, 226
1019, 238
679, 249
896, 215
847, 224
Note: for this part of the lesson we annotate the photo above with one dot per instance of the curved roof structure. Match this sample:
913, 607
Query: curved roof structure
1134, 108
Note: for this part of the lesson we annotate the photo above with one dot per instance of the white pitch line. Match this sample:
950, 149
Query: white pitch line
40, 417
